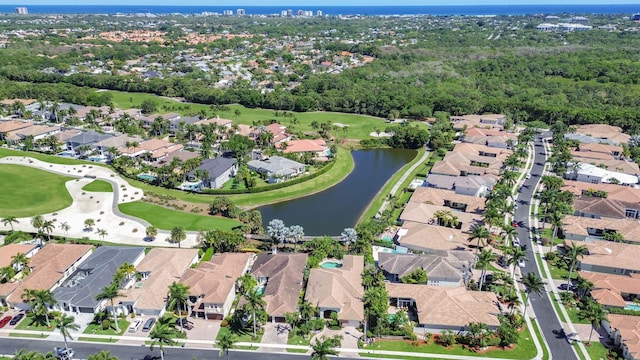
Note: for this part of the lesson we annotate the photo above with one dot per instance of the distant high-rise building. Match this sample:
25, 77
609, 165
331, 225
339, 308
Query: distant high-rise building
289, 12
319, 13
22, 10
240, 12
300, 12
227, 12
283, 13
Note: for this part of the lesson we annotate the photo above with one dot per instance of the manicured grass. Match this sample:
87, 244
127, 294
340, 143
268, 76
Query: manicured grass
297, 340
360, 126
100, 340
26, 324
596, 350
543, 344
573, 315
524, 350
32, 336
98, 186
44, 157
96, 329
243, 336
29, 192
166, 219
556, 304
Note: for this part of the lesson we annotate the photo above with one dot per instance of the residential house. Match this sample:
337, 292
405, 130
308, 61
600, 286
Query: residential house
486, 121
613, 290
152, 149
604, 132
430, 239
182, 155
10, 126
86, 139
50, 267
278, 131
281, 276
7, 252
624, 330
175, 123
447, 198
426, 214
213, 284
157, 271
593, 174
220, 170
609, 257
454, 269
221, 123
595, 151
490, 137
464, 185
277, 168
37, 132
118, 141
317, 147
65, 134
441, 308
470, 159
339, 290
598, 207
590, 229
78, 292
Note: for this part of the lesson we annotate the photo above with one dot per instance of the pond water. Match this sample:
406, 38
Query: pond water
339, 207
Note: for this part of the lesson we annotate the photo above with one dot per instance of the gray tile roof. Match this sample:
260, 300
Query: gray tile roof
92, 275
215, 167
276, 165
88, 137
453, 267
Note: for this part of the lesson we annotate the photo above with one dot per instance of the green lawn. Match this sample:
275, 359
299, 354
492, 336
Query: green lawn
243, 336
164, 218
360, 126
29, 192
98, 186
297, 340
26, 324
556, 305
96, 329
525, 349
596, 350
573, 312
543, 344
32, 336
44, 157
100, 340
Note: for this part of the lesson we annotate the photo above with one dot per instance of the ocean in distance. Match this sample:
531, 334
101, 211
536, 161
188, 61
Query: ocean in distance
469, 10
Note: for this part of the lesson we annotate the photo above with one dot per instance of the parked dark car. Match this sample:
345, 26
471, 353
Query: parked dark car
185, 323
565, 287
151, 357
148, 324
4, 321
16, 319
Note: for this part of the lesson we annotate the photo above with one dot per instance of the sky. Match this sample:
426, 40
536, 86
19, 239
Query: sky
303, 3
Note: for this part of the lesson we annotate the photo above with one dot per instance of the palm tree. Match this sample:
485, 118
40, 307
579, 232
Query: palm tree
64, 226
48, 227
178, 295
480, 233
322, 349
64, 323
307, 311
485, 257
512, 300
102, 233
102, 355
555, 219
20, 261
28, 296
584, 286
254, 304
595, 313
572, 253
225, 342
532, 284
88, 223
509, 232
162, 334
10, 220
111, 292
37, 222
178, 234
42, 299
514, 256
151, 232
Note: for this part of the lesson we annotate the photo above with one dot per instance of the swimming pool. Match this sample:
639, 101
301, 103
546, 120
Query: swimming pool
97, 158
67, 153
331, 265
634, 307
147, 177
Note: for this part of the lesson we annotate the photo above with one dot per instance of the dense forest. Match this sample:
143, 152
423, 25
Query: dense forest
457, 66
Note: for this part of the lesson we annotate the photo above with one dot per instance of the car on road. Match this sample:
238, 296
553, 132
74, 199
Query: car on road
4, 321
521, 263
135, 325
514, 223
516, 242
149, 324
151, 357
523, 247
528, 176
16, 319
567, 287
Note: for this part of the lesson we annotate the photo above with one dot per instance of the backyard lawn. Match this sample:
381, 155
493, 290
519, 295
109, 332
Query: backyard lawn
44, 157
98, 186
167, 219
29, 192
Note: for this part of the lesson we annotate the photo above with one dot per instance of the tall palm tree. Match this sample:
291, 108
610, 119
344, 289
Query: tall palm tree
111, 292
322, 349
162, 334
514, 256
102, 355
595, 313
572, 253
151, 232
555, 220
479, 233
21, 262
27, 296
307, 311
64, 226
178, 295
48, 227
254, 304
485, 257
512, 300
225, 342
102, 233
37, 222
65, 323
584, 286
10, 220
42, 299
532, 284
178, 234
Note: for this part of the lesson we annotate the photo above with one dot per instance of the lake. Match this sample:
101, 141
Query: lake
339, 207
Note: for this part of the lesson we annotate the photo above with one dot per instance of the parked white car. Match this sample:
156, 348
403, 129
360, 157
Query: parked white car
135, 326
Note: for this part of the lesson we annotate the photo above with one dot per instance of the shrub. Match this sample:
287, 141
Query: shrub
224, 323
550, 256
121, 223
134, 230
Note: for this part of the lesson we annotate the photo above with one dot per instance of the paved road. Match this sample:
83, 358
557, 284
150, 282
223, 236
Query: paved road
542, 306
126, 352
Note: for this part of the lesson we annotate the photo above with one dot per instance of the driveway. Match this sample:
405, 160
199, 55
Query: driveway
275, 333
350, 336
203, 330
